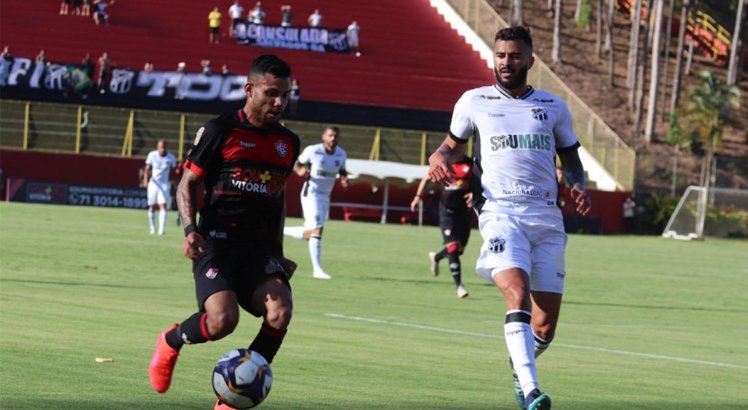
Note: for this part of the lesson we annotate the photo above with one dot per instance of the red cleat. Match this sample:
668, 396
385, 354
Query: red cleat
222, 406
162, 363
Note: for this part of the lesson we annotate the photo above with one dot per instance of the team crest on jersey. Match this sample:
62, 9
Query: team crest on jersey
496, 245
281, 148
540, 114
211, 273
199, 135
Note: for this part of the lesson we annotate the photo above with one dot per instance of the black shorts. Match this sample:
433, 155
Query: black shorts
455, 224
214, 30
233, 267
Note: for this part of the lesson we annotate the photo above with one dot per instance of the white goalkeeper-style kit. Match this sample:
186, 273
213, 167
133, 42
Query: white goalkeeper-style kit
323, 169
159, 186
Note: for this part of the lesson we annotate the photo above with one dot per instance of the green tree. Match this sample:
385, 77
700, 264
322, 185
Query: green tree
707, 112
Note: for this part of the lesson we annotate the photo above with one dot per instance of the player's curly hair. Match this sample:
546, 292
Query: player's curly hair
269, 63
515, 33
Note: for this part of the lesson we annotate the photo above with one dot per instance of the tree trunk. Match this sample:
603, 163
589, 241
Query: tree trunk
556, 51
599, 36
517, 19
655, 76
641, 80
732, 70
675, 93
611, 50
666, 54
633, 48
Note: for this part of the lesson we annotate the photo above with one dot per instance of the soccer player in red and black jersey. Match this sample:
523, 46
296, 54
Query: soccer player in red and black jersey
243, 159
455, 209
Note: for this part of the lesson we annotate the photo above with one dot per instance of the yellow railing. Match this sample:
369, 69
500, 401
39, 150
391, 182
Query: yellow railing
128, 132
596, 136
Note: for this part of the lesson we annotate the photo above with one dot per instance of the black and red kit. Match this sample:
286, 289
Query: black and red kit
454, 214
244, 169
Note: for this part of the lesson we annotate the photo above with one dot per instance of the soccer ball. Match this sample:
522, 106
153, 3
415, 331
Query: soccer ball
242, 378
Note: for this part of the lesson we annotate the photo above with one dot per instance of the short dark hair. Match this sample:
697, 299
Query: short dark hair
521, 33
269, 63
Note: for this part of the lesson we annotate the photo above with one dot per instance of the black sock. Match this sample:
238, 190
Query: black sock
268, 341
440, 255
454, 267
193, 330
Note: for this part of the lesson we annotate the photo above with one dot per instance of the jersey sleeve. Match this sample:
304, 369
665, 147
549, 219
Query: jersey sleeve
207, 144
462, 125
306, 155
564, 130
342, 171
149, 159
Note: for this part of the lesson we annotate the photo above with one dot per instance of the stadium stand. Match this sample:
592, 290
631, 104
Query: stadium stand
411, 57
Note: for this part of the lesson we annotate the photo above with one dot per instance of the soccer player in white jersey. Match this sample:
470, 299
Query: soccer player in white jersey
518, 132
320, 164
158, 166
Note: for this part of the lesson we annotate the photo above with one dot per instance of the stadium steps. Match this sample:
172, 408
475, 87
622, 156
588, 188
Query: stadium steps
412, 58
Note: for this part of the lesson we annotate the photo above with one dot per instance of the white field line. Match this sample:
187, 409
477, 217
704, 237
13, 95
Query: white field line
568, 346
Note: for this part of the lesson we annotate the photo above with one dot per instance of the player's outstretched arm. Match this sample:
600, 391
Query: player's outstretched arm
419, 193
575, 175
187, 192
449, 152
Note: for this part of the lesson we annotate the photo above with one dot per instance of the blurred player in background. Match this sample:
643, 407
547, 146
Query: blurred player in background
455, 206
320, 164
156, 178
243, 158
519, 131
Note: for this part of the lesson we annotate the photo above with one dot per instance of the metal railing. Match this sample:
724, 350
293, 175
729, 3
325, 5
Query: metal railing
125, 132
596, 136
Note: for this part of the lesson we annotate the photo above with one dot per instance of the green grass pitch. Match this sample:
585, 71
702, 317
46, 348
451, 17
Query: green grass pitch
647, 323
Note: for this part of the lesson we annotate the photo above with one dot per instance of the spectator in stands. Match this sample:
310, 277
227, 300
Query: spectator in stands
77, 4
207, 69
352, 34
86, 9
64, 7
319, 165
102, 72
293, 99
100, 15
257, 14
235, 13
6, 62
315, 19
88, 65
183, 82
214, 24
148, 67
286, 16
40, 65
225, 70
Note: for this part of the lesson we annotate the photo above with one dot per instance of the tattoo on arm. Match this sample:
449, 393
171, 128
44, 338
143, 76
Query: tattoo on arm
573, 168
187, 195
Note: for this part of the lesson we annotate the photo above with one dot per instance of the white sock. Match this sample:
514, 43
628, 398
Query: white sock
540, 345
296, 232
315, 251
152, 219
161, 220
521, 345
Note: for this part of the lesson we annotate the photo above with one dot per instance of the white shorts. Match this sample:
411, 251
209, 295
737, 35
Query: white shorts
531, 238
316, 209
158, 193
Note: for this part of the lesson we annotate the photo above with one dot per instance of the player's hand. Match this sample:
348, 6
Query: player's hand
469, 200
289, 266
344, 182
194, 245
582, 203
414, 203
439, 170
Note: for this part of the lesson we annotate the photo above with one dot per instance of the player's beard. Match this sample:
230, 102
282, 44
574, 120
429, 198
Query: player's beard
518, 80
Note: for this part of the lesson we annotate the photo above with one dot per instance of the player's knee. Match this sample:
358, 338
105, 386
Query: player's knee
279, 317
453, 248
221, 324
